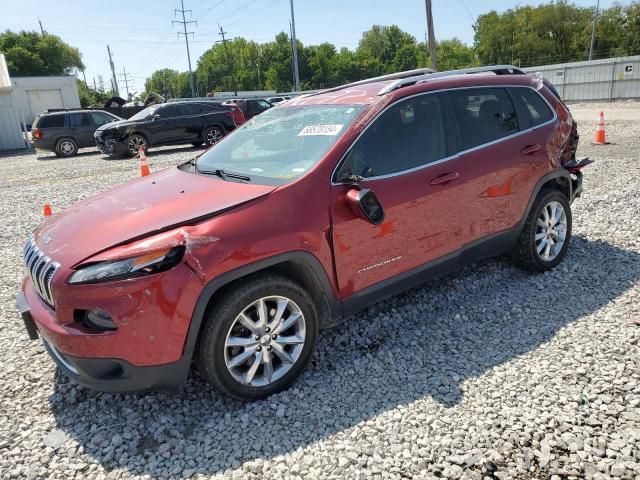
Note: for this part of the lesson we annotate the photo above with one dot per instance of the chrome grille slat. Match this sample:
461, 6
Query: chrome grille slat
41, 270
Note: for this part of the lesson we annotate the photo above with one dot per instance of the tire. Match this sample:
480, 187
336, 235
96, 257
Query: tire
66, 147
542, 245
228, 368
212, 135
134, 142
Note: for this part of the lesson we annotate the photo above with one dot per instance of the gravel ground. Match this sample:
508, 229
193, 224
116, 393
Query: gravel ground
488, 373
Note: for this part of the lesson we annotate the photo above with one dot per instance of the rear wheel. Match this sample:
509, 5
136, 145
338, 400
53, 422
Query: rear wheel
134, 143
66, 147
258, 338
213, 135
545, 238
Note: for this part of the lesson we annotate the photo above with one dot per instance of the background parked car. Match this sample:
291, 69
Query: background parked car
64, 132
276, 100
167, 124
250, 106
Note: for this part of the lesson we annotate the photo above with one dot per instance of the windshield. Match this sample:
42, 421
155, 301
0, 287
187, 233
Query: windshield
281, 143
142, 114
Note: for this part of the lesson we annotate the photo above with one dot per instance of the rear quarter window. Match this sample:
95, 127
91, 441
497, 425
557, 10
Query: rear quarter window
533, 108
50, 121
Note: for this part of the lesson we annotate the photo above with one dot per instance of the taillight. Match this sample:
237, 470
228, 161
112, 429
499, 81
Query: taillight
36, 133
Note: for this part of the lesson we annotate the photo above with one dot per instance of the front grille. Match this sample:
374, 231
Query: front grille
41, 270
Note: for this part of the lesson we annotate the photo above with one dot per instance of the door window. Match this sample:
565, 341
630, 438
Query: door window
483, 115
79, 120
168, 112
101, 118
409, 134
536, 111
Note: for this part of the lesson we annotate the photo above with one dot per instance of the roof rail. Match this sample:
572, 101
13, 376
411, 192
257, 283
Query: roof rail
412, 80
382, 78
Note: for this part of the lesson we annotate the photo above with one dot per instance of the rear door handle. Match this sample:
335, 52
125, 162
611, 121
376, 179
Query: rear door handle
529, 149
444, 178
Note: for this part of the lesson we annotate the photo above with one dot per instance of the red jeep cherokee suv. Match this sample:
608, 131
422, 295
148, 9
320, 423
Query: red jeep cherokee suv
303, 216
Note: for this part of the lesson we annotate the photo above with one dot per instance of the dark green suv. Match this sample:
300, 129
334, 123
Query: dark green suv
64, 132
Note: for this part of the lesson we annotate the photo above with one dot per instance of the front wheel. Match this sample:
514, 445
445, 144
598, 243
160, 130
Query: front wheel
213, 135
134, 143
258, 338
545, 238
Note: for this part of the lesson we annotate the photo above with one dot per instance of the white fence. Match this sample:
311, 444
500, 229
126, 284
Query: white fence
607, 79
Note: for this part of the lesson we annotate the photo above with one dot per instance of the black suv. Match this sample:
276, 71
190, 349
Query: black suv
166, 124
64, 132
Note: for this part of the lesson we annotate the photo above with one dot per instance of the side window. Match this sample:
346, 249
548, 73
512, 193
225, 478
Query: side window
409, 134
101, 118
483, 115
168, 111
264, 105
79, 120
192, 109
51, 121
536, 110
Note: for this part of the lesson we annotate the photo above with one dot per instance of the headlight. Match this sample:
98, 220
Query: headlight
147, 264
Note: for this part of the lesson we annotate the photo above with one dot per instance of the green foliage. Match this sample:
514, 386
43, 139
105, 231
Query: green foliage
168, 83
30, 53
556, 32
89, 96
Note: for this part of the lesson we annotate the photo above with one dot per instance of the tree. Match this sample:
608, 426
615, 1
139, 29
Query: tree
89, 96
166, 82
30, 53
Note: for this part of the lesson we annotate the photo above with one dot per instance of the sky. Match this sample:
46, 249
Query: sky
142, 38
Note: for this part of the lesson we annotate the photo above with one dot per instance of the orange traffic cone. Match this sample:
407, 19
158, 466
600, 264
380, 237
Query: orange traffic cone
600, 135
46, 210
144, 165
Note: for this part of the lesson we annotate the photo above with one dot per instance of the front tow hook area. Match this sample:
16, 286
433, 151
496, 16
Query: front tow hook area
25, 312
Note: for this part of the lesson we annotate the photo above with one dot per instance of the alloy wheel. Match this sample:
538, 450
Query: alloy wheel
551, 231
67, 147
213, 136
134, 144
265, 341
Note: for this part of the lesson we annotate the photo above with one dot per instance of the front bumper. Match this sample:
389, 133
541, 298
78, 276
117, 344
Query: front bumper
110, 146
107, 374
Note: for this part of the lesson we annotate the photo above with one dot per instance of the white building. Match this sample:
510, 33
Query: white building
23, 98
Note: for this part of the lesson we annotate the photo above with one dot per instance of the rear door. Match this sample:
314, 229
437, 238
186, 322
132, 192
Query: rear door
81, 128
498, 160
405, 157
190, 124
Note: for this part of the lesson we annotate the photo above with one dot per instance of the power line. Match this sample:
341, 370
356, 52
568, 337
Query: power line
184, 23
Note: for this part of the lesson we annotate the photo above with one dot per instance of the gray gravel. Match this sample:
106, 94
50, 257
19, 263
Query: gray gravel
488, 373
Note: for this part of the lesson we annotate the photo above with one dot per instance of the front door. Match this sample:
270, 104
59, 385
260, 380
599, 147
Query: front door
404, 157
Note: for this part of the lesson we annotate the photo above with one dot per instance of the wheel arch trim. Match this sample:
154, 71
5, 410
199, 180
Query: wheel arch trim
307, 259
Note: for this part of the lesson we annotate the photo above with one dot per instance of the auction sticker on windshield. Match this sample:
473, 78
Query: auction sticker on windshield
320, 130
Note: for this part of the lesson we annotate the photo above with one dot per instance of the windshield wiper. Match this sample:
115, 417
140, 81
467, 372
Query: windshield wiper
223, 174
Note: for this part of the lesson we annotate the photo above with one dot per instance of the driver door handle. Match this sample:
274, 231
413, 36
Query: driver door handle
444, 178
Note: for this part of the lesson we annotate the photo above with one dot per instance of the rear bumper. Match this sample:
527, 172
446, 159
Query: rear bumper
107, 374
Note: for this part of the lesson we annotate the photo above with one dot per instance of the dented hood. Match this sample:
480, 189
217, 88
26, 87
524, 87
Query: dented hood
142, 207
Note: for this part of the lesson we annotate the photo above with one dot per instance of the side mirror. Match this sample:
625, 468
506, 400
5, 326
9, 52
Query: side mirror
365, 205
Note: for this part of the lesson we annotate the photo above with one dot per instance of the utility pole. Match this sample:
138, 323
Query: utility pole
293, 68
41, 28
85, 79
230, 66
114, 82
296, 74
184, 23
94, 84
432, 35
126, 81
593, 30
